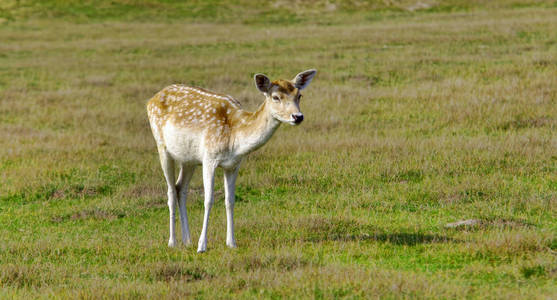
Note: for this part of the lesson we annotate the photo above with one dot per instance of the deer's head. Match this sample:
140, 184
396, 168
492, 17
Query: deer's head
283, 96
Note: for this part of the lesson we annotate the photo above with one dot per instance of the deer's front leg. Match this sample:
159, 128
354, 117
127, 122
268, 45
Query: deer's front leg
229, 192
208, 183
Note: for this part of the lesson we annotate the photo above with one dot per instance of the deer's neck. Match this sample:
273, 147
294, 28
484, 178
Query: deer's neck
253, 129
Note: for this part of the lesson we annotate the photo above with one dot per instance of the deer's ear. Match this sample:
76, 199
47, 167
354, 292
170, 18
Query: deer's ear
302, 80
262, 83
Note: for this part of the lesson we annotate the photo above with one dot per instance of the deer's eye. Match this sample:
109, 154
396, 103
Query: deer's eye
276, 98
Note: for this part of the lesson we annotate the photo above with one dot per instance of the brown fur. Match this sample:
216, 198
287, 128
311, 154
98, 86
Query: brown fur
191, 107
285, 86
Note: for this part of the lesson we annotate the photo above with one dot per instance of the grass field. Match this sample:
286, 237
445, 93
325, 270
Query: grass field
420, 115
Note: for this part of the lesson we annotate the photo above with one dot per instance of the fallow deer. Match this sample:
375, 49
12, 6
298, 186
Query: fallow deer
194, 126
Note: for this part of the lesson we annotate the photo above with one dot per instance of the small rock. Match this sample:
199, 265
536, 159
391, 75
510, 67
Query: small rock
469, 222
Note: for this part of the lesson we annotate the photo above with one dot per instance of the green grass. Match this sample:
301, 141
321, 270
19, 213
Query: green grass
417, 118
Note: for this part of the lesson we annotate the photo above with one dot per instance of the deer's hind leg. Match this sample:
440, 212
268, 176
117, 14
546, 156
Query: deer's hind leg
167, 164
182, 186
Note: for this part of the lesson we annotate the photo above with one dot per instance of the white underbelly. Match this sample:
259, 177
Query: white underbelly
183, 144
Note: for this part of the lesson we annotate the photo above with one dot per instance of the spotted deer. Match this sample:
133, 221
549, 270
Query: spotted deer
193, 126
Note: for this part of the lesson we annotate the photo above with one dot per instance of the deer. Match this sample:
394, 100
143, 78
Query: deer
193, 126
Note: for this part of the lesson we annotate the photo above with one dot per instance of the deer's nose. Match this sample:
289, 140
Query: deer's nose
298, 118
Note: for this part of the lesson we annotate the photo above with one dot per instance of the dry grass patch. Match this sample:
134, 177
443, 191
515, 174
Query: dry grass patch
97, 214
27, 276
284, 262
504, 244
179, 272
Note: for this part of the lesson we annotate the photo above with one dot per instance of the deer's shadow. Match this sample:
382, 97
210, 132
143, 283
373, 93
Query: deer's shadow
342, 230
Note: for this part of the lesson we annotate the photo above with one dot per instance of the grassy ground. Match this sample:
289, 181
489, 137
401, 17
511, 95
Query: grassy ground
418, 117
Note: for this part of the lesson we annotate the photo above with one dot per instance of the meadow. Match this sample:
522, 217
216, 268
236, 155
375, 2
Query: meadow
421, 114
